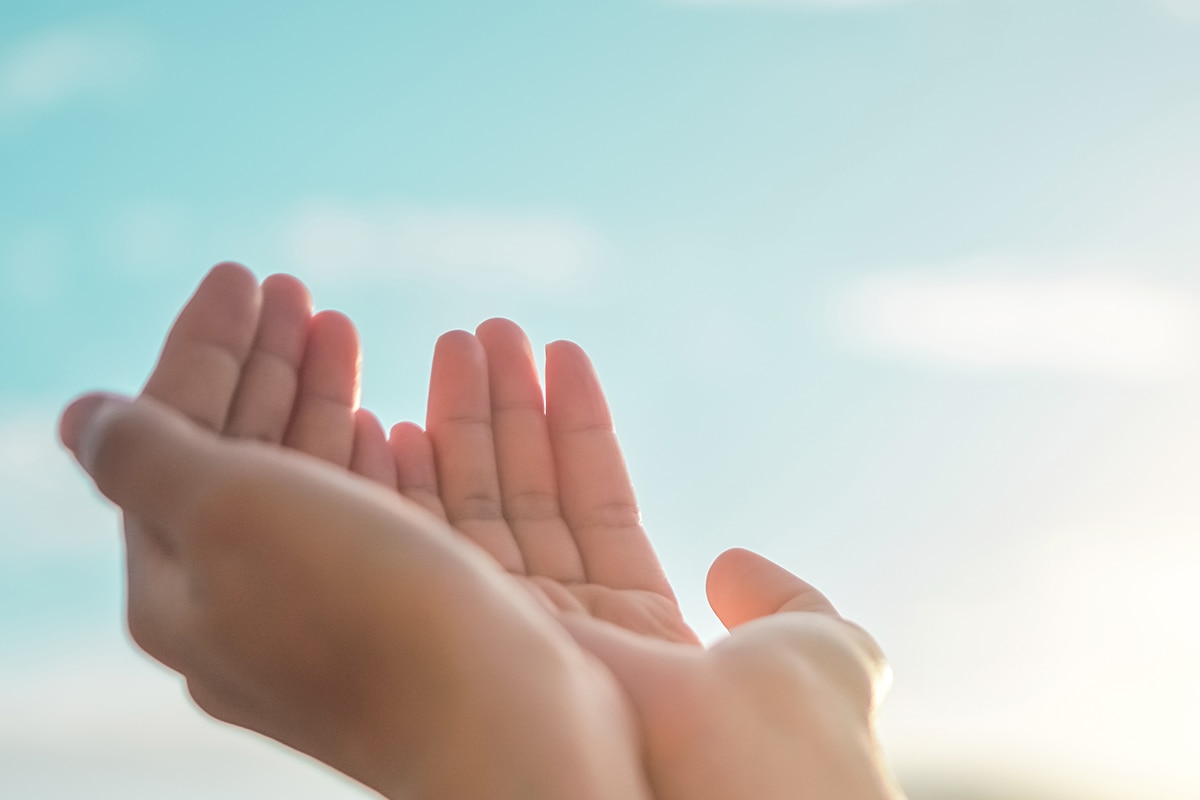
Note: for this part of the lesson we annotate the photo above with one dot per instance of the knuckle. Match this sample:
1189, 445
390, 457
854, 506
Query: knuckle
475, 507
532, 505
613, 514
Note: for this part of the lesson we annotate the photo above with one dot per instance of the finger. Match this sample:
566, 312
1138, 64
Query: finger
145, 457
322, 423
776, 613
596, 494
372, 458
744, 586
416, 472
524, 459
202, 358
460, 426
262, 405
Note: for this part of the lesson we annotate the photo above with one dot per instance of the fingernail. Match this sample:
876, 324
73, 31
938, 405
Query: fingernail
83, 423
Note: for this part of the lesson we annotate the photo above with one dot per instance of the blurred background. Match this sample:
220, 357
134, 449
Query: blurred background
905, 295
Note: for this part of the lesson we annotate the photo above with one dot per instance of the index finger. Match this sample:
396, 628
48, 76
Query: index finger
203, 356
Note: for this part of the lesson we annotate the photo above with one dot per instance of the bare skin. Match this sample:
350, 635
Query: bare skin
326, 612
782, 708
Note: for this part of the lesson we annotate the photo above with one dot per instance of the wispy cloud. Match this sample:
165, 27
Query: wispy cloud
57, 66
1188, 9
470, 248
1102, 324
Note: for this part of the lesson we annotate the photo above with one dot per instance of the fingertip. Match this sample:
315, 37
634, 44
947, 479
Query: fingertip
405, 430
570, 361
372, 458
573, 392
565, 347
497, 323
290, 287
458, 361
743, 585
231, 271
82, 422
456, 339
732, 557
335, 353
732, 570
368, 418
499, 327
330, 320
368, 425
413, 450
416, 470
73, 417
724, 575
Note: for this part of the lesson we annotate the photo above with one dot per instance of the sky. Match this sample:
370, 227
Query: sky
905, 295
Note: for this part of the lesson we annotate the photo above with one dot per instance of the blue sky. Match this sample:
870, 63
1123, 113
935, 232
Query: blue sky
905, 294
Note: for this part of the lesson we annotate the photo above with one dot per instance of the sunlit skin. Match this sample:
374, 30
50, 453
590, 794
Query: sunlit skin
482, 616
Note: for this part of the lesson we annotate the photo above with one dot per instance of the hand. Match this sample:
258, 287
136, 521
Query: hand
783, 708
253, 362
325, 611
300, 602
540, 487
686, 699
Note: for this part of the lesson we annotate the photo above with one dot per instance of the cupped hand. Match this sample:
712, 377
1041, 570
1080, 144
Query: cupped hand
781, 709
539, 484
329, 613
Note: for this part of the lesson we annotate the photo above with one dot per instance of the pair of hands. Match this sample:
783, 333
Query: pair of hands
468, 610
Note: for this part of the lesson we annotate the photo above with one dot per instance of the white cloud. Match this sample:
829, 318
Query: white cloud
469, 248
48, 506
57, 66
1188, 9
1102, 324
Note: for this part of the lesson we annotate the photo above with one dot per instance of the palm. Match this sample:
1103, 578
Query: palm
540, 486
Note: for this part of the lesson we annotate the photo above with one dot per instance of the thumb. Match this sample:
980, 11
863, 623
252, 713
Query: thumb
743, 586
145, 457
